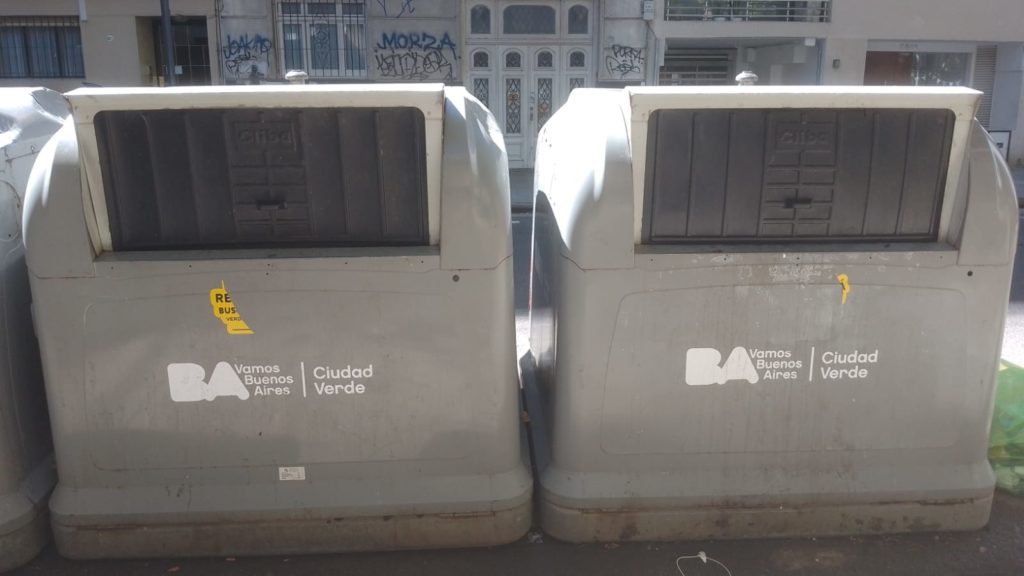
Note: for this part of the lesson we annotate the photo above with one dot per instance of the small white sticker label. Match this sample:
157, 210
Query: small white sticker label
291, 473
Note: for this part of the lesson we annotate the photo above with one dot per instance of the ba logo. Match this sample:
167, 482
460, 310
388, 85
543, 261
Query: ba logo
188, 383
704, 367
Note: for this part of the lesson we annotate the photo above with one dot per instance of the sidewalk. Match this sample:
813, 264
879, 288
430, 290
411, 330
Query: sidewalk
521, 183
994, 551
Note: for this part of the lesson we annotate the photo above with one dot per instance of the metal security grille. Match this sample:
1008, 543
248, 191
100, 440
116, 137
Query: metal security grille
513, 101
210, 178
985, 80
40, 47
482, 90
696, 67
792, 175
696, 74
544, 100
326, 38
756, 10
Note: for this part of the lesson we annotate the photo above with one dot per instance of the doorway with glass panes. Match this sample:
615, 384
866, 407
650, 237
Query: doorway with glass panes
524, 58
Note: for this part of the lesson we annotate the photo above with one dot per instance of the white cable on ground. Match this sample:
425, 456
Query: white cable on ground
704, 558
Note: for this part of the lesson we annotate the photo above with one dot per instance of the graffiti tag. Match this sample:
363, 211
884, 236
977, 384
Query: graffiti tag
405, 7
247, 55
417, 66
414, 41
416, 56
625, 60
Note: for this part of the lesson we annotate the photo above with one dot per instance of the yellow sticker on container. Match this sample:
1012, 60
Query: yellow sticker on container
844, 280
225, 309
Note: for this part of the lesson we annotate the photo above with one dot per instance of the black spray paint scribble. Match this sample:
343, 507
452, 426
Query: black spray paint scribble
418, 66
405, 7
625, 60
247, 54
416, 56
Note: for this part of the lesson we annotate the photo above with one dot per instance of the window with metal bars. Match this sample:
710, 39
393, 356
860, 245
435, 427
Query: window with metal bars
326, 38
481, 59
40, 47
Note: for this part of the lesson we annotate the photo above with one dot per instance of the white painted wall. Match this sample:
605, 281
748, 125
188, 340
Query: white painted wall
969, 20
851, 55
624, 52
247, 39
421, 46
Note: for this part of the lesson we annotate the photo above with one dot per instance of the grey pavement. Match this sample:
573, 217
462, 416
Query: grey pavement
997, 550
521, 182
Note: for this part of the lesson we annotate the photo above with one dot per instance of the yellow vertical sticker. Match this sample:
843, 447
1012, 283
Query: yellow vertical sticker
844, 280
224, 309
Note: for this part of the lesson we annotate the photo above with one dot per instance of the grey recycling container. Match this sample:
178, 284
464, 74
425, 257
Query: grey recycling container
766, 311
28, 118
282, 323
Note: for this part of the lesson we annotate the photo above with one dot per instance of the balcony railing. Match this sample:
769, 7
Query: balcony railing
752, 10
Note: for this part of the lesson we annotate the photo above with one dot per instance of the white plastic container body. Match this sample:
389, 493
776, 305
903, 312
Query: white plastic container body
28, 118
760, 388
370, 402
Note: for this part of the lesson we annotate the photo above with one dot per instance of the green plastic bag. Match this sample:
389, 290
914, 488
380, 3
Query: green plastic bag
1006, 440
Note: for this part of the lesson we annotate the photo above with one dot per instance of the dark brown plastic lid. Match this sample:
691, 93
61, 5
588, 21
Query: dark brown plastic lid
795, 175
245, 178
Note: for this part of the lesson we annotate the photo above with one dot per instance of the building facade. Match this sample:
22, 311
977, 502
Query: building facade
523, 57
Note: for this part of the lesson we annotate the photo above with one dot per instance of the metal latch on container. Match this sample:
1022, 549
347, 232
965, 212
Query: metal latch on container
272, 205
844, 281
